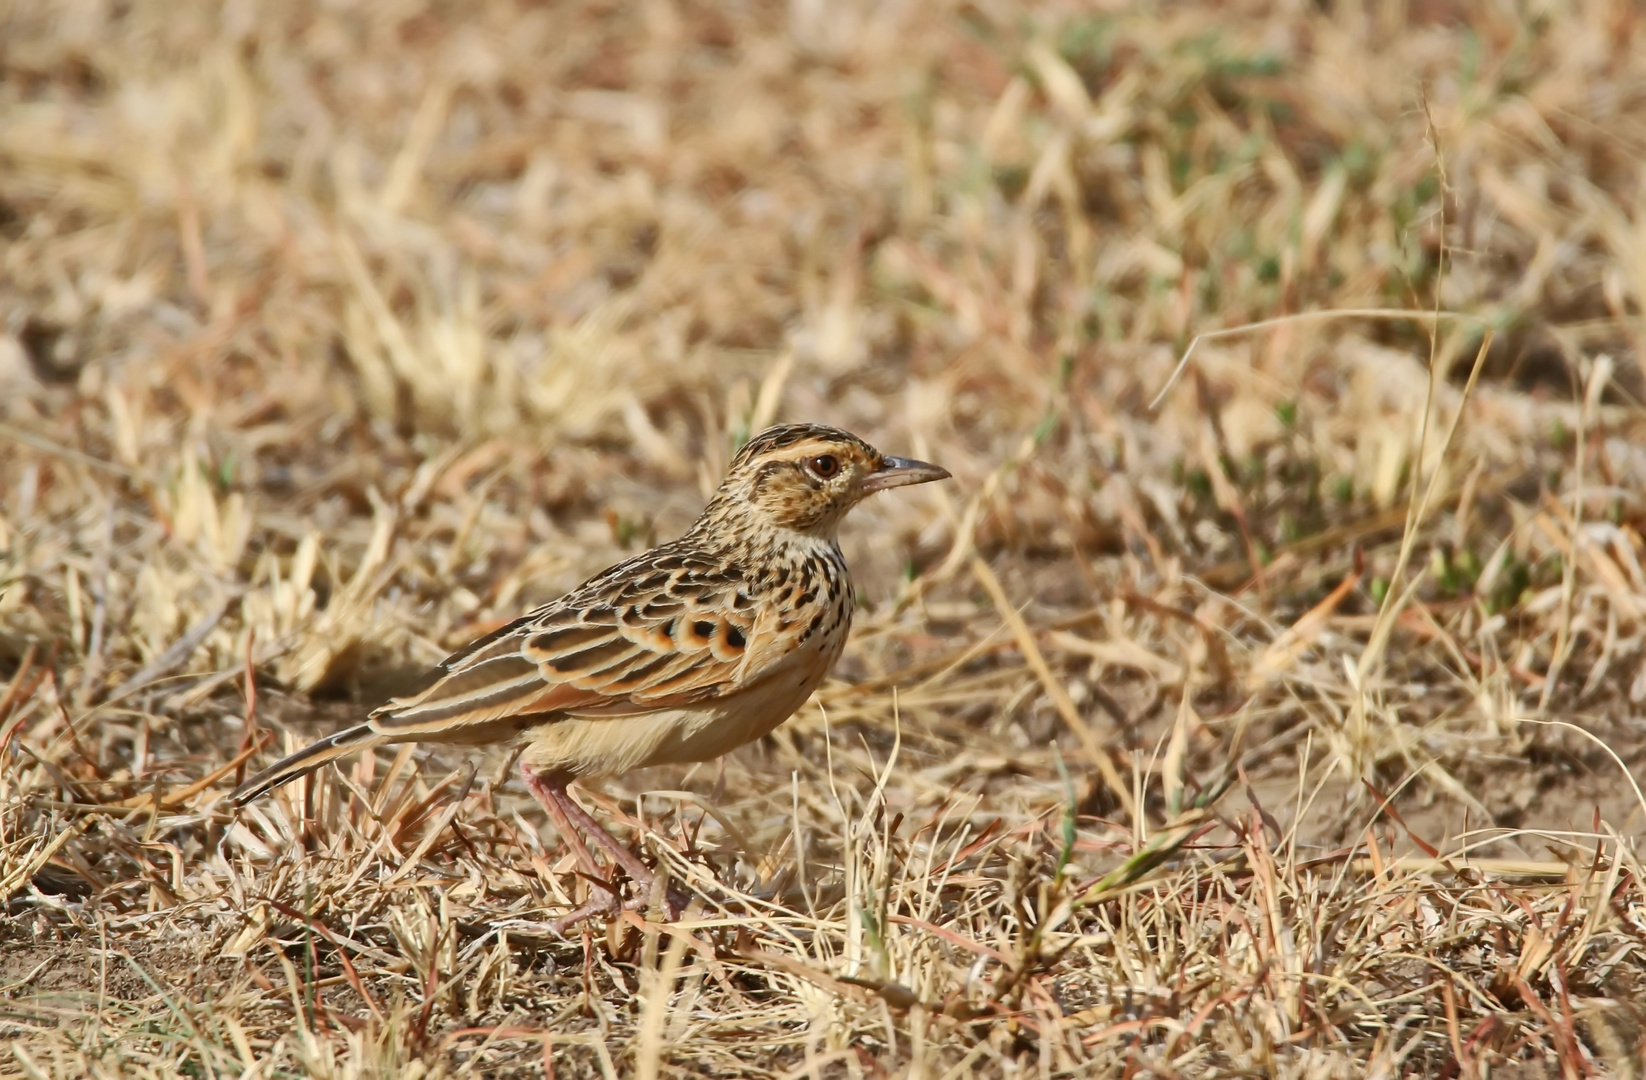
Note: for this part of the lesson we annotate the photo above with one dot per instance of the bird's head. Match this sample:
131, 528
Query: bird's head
805, 477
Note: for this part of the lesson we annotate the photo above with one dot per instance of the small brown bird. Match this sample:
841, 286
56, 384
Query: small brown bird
677, 655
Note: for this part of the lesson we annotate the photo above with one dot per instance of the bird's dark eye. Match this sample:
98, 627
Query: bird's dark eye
824, 465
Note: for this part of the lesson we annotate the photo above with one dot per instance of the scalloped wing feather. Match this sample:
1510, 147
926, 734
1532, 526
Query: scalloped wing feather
648, 635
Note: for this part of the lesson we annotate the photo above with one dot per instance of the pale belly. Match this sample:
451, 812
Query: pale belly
611, 745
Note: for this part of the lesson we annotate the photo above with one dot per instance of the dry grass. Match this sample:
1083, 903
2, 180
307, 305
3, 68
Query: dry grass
335, 333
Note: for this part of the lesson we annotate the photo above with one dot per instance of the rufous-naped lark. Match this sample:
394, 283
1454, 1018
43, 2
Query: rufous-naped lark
677, 655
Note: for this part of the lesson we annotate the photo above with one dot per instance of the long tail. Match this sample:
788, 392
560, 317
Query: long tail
306, 760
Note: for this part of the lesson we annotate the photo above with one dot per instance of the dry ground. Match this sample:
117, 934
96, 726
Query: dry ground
334, 333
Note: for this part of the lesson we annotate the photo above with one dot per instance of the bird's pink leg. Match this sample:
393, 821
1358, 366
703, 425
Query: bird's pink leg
551, 792
570, 818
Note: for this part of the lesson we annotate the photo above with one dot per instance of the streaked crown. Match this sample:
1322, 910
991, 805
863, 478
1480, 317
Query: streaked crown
804, 478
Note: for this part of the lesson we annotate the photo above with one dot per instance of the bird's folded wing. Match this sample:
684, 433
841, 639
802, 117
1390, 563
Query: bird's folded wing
632, 641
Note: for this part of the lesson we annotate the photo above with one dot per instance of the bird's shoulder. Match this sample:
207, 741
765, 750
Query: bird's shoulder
676, 624
680, 625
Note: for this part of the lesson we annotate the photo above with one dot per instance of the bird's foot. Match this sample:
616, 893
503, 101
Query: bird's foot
675, 903
606, 905
671, 903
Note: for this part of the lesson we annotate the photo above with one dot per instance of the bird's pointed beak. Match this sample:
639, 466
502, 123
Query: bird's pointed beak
901, 472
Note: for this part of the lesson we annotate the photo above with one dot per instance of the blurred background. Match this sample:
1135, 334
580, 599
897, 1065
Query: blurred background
526, 274
333, 334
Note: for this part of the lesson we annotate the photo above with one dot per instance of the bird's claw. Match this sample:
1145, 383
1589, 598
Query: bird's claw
606, 905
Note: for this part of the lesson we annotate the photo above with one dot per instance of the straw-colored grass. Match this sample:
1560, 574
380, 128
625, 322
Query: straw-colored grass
1288, 728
